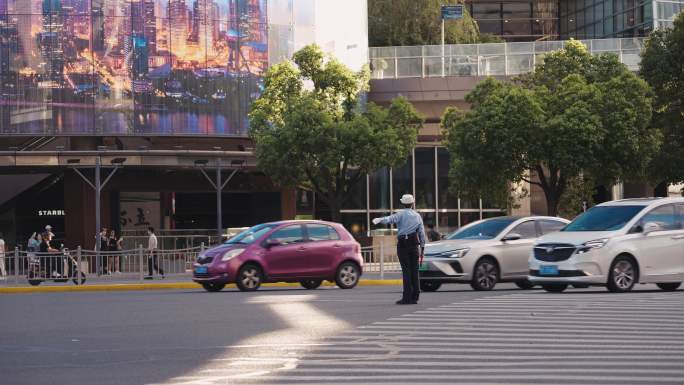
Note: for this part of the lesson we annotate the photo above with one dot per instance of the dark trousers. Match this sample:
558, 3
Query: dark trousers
407, 250
152, 264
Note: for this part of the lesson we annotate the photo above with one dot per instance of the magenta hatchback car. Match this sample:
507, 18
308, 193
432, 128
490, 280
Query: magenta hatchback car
307, 252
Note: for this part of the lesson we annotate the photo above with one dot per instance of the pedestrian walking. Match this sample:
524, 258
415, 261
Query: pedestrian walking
432, 234
114, 245
3, 272
410, 246
104, 248
33, 245
152, 262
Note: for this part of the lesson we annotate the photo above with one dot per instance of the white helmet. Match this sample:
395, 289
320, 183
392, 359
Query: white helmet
407, 199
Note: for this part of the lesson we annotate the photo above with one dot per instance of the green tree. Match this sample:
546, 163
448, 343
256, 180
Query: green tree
411, 22
577, 114
311, 131
662, 65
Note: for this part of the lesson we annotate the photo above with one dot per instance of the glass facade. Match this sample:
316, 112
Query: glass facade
589, 19
425, 175
517, 20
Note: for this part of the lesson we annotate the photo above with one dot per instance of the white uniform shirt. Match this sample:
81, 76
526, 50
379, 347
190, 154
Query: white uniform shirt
152, 242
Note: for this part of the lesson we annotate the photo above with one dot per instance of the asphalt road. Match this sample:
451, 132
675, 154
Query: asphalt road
334, 336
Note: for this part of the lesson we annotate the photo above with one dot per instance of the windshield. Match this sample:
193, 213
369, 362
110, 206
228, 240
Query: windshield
604, 218
486, 229
250, 235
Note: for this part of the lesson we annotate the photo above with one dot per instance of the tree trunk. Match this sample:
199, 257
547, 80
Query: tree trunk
552, 202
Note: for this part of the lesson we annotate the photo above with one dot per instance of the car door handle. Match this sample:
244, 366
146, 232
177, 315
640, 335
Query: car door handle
301, 249
678, 237
337, 245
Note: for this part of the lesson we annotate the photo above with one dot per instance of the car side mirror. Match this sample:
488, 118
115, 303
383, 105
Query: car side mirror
650, 227
511, 237
272, 243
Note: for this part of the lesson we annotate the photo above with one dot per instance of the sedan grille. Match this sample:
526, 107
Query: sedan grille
553, 252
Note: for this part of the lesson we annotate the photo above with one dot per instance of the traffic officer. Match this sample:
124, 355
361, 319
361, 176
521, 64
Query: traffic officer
410, 246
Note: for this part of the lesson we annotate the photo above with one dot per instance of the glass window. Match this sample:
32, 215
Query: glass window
486, 11
664, 216
356, 223
490, 26
322, 233
549, 226
288, 235
527, 230
680, 208
486, 229
380, 189
402, 181
250, 235
604, 218
469, 217
357, 194
517, 10
425, 178
448, 223
447, 200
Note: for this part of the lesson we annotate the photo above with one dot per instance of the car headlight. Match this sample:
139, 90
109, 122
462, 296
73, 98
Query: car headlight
458, 253
230, 254
590, 245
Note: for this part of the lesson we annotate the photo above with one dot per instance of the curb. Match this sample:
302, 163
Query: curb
161, 286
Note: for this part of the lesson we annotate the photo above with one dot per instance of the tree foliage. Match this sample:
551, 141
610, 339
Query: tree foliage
662, 65
576, 114
411, 22
310, 130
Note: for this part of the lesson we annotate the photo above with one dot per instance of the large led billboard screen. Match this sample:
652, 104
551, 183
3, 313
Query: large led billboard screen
130, 67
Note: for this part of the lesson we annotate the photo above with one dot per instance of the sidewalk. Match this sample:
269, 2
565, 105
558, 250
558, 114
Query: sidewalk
177, 282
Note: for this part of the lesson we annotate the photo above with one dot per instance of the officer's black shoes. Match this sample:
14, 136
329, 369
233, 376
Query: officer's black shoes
402, 302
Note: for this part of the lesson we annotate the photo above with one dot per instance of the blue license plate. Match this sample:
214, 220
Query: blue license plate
548, 270
201, 270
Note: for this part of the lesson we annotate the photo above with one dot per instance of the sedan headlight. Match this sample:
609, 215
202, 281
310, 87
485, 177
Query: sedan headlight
230, 254
458, 253
590, 245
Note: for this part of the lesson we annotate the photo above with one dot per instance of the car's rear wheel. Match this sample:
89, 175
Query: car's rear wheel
311, 283
213, 287
623, 275
249, 277
430, 285
669, 286
485, 275
555, 287
525, 284
347, 275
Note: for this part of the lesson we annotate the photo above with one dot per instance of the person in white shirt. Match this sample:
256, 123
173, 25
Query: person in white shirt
3, 272
152, 262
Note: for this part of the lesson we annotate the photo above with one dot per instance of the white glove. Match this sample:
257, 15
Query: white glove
376, 221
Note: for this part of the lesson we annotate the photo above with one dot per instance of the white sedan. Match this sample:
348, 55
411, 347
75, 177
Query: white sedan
486, 252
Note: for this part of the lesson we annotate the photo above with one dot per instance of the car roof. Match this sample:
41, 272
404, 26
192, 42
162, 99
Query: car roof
642, 201
301, 221
518, 217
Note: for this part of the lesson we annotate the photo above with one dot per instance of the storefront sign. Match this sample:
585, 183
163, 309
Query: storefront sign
51, 213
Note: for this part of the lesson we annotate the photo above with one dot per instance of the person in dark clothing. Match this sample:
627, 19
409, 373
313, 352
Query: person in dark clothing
432, 234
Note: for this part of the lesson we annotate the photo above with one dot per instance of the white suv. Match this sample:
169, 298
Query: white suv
615, 244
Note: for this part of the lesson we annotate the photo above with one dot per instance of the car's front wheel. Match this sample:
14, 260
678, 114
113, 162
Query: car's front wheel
555, 287
430, 285
249, 277
623, 275
311, 283
669, 286
524, 284
213, 287
485, 275
347, 275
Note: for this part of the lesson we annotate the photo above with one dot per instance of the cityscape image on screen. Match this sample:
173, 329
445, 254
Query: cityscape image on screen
130, 66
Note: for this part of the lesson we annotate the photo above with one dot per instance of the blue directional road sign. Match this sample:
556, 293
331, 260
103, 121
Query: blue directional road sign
452, 12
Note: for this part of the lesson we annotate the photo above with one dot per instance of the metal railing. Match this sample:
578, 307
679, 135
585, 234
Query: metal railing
85, 266
491, 59
81, 266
